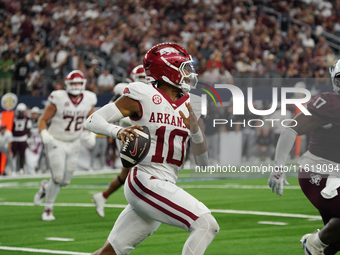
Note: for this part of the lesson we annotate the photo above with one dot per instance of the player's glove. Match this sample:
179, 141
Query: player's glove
90, 139
46, 137
276, 180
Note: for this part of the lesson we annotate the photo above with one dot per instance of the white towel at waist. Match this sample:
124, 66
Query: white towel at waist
332, 184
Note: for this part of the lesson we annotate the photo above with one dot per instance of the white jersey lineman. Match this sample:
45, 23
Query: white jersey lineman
67, 111
68, 121
62, 150
66, 128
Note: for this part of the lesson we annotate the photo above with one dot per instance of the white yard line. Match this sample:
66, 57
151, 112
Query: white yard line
273, 223
7, 248
289, 215
60, 239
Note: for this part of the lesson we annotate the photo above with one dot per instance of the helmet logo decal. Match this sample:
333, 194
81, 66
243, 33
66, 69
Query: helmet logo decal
157, 99
168, 51
126, 91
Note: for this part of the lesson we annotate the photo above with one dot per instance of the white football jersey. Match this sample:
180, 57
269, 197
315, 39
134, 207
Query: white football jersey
169, 135
68, 121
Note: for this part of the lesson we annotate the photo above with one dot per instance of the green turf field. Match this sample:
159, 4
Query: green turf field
237, 204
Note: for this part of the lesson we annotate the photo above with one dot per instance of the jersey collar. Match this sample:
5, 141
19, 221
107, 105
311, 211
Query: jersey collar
76, 101
174, 104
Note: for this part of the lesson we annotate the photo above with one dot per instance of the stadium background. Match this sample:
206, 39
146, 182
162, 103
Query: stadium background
247, 43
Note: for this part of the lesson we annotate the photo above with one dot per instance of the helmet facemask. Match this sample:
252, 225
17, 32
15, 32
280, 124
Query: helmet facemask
187, 74
139, 77
138, 74
336, 83
73, 89
335, 76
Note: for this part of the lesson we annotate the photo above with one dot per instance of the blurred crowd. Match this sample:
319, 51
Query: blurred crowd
41, 41
319, 14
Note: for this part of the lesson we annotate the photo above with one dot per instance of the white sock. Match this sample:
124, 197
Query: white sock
52, 191
203, 231
318, 243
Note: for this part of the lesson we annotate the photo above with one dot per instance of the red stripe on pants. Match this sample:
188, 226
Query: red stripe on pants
158, 207
162, 199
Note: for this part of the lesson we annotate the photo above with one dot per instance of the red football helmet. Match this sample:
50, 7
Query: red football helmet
171, 63
73, 77
138, 74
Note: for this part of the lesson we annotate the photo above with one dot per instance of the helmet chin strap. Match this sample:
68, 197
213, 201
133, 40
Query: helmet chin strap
186, 88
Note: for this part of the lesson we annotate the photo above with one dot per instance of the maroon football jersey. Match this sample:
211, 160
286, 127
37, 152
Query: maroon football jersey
20, 126
325, 140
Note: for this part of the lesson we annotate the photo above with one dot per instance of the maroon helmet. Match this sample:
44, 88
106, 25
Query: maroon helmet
171, 63
138, 74
73, 77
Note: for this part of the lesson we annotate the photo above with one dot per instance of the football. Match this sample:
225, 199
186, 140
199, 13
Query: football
135, 151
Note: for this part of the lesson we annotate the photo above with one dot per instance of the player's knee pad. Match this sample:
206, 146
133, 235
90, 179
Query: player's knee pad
65, 183
57, 178
67, 178
206, 223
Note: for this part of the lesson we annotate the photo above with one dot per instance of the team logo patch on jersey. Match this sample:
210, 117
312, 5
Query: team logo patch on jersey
67, 103
126, 91
157, 99
315, 179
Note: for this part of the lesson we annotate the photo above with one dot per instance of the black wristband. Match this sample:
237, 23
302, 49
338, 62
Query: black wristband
120, 180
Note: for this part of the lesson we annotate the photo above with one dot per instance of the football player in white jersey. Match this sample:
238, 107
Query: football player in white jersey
137, 75
150, 187
34, 142
67, 111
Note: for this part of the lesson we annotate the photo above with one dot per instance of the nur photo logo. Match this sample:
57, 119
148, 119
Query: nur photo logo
238, 103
